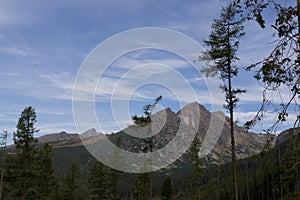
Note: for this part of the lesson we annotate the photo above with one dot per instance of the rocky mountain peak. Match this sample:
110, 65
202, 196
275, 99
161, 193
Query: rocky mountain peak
61, 136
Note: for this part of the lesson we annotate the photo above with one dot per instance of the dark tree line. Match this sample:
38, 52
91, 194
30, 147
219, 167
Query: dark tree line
29, 173
28, 168
273, 174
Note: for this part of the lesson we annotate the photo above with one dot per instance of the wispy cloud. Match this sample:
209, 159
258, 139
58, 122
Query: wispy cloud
23, 51
131, 62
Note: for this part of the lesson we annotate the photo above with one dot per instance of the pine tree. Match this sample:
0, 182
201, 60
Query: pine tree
29, 173
102, 182
70, 183
223, 43
290, 163
24, 162
45, 177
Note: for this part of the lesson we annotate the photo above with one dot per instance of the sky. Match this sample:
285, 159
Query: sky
44, 43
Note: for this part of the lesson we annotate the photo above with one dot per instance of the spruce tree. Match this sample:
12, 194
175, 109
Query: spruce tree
29, 173
45, 177
24, 163
223, 44
102, 182
70, 185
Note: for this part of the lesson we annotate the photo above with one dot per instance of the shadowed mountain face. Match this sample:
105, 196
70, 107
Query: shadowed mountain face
212, 128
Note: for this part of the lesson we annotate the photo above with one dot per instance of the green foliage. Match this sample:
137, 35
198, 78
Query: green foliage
223, 43
29, 173
24, 136
70, 185
102, 182
166, 189
273, 174
142, 187
221, 56
45, 177
24, 168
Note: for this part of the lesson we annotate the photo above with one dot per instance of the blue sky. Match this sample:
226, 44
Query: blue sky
43, 43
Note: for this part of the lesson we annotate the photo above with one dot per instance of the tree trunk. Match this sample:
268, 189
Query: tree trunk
231, 105
23, 191
218, 183
151, 149
248, 195
234, 166
298, 15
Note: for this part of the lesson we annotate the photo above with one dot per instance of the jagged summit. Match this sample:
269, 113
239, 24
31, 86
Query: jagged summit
214, 125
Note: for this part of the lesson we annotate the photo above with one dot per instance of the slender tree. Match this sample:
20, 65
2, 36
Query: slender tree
143, 121
24, 161
3, 140
194, 152
223, 44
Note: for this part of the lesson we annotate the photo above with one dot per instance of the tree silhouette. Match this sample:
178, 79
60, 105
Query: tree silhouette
143, 121
24, 162
221, 57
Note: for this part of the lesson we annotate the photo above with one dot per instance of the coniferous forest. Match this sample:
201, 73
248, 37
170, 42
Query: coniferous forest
272, 174
34, 170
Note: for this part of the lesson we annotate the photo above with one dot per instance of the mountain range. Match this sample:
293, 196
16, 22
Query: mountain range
204, 122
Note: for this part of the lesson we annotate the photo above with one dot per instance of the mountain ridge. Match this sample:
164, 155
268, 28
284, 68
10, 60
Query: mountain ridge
167, 124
